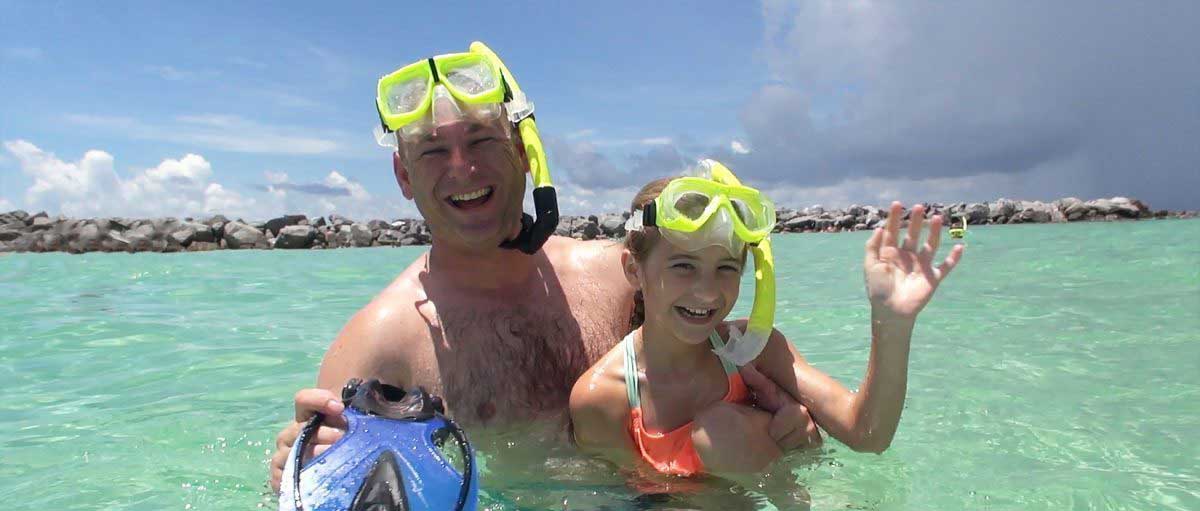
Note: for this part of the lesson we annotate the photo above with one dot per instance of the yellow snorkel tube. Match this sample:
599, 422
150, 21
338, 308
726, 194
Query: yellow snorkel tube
480, 82
743, 348
534, 231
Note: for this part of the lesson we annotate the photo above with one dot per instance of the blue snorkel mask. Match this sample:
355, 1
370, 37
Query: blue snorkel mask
389, 459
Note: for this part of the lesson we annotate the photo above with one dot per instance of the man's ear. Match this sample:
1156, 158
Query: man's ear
631, 269
401, 173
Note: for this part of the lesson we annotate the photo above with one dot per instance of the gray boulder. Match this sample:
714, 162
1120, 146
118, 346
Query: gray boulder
52, 242
612, 225
1001, 210
590, 229
1128, 208
296, 236
215, 219
566, 225
41, 223
28, 242
801, 223
87, 238
9, 234
337, 221
275, 225
15, 216
390, 237
976, 213
239, 235
1102, 207
355, 235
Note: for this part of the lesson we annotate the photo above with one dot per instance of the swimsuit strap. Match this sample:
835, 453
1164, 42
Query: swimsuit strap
631, 376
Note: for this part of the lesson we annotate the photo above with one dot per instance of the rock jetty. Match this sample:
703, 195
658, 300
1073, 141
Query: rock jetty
22, 232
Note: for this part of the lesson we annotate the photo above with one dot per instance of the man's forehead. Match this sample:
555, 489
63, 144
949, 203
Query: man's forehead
463, 127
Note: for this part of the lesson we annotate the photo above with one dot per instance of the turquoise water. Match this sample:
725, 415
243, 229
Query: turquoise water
1056, 369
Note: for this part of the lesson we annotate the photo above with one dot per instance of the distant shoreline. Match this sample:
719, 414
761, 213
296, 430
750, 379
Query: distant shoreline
22, 232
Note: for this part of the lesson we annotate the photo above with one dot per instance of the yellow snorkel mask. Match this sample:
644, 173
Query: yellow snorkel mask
714, 208
415, 99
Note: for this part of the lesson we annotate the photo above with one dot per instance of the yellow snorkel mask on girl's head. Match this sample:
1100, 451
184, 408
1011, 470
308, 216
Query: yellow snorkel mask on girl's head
714, 208
416, 99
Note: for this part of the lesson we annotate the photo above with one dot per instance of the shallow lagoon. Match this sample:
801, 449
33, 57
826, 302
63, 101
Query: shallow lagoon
1055, 370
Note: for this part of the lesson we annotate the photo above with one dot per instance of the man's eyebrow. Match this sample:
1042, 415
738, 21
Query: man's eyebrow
477, 127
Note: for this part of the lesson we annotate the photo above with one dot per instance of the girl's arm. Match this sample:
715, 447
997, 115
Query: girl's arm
865, 420
900, 278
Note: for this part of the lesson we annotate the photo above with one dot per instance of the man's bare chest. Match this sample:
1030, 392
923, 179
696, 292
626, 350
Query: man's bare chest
496, 363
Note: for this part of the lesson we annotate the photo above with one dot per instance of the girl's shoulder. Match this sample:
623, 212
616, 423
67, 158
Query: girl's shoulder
599, 404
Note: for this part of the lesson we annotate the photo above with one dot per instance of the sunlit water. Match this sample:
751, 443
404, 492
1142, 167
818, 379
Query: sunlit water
1059, 368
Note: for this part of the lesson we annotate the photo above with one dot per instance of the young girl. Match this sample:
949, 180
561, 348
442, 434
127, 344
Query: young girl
663, 395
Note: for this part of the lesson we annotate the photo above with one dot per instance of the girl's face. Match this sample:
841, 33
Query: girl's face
686, 293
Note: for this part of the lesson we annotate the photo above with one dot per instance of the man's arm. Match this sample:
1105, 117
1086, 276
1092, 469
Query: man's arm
360, 350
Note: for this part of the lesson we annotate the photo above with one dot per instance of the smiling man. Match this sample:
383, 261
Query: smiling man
498, 317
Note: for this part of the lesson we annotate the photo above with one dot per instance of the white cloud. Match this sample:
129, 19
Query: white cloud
221, 132
581, 134
655, 141
19, 53
738, 147
356, 190
6, 205
91, 187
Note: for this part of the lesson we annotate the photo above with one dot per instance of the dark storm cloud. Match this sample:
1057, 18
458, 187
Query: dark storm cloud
912, 91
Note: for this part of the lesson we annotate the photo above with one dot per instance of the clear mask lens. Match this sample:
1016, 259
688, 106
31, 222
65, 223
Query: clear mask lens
718, 231
473, 79
407, 96
448, 110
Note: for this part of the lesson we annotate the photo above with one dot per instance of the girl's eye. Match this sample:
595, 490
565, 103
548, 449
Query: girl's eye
684, 266
731, 268
483, 141
435, 151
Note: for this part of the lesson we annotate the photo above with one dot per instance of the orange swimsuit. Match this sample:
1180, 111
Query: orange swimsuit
672, 452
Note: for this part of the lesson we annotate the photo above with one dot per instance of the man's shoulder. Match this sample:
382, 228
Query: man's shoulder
569, 254
389, 320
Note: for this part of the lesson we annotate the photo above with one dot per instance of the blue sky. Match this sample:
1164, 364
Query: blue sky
831, 102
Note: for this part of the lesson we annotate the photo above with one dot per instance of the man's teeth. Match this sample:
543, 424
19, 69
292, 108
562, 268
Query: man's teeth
473, 195
697, 312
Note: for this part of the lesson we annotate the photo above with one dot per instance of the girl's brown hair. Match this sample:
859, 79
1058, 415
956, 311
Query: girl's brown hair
639, 243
